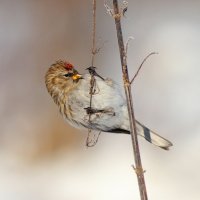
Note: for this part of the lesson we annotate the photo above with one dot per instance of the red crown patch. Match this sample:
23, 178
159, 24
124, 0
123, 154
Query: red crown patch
68, 66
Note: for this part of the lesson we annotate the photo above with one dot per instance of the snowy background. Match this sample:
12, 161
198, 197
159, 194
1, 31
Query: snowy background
42, 157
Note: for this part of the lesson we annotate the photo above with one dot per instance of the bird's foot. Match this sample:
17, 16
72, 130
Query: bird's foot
93, 72
91, 111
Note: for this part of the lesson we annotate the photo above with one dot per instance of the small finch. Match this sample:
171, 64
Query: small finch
108, 110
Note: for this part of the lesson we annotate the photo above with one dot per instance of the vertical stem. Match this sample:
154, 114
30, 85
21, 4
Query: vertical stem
127, 86
94, 32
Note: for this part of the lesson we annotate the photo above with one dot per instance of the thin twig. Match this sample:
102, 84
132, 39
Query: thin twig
92, 80
94, 50
91, 93
124, 7
127, 43
138, 169
108, 9
136, 74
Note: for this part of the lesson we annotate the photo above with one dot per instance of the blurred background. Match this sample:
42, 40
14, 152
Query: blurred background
42, 157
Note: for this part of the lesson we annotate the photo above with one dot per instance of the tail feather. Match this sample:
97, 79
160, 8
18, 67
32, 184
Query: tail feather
152, 137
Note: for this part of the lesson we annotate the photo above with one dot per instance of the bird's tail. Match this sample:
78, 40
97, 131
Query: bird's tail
152, 137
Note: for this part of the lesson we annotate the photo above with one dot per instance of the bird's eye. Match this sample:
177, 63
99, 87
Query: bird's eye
68, 75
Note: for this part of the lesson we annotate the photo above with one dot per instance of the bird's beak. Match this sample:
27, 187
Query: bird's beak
76, 77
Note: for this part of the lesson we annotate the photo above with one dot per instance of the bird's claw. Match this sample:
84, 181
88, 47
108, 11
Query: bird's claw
91, 111
93, 72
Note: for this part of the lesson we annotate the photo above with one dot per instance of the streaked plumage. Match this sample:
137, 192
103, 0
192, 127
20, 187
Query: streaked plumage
70, 91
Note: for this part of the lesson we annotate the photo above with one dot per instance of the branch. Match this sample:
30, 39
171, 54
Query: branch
94, 50
136, 74
127, 87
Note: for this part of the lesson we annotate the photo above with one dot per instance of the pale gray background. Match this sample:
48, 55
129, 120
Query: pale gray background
43, 158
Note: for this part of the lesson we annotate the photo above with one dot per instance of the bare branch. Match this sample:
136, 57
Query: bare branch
94, 50
122, 11
136, 74
127, 87
127, 43
125, 7
92, 80
108, 8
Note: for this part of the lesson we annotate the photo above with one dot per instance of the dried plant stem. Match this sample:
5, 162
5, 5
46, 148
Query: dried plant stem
94, 50
92, 81
152, 53
127, 86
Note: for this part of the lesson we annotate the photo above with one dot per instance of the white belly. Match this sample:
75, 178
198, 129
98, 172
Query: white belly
107, 98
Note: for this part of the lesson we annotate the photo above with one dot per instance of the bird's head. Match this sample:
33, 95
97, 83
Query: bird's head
60, 78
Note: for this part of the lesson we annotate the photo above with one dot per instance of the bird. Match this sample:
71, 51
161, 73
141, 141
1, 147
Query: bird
105, 109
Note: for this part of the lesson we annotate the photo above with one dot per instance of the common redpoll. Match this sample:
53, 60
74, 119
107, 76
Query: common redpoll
107, 112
